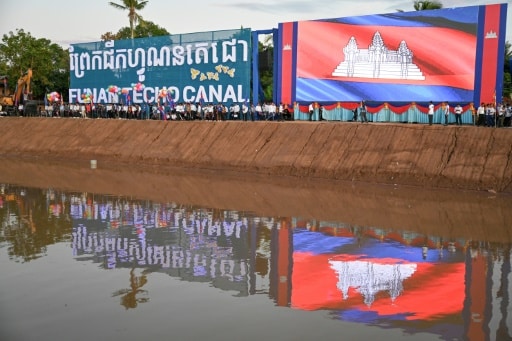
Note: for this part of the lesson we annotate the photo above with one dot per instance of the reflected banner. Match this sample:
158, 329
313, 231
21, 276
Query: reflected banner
453, 54
208, 67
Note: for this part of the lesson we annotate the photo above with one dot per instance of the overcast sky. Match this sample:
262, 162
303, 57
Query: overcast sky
73, 21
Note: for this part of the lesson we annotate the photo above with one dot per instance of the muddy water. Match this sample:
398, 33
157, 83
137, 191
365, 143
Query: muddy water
135, 252
481, 215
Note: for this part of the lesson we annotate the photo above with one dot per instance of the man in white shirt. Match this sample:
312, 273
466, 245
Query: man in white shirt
480, 112
245, 111
458, 115
236, 112
430, 113
259, 111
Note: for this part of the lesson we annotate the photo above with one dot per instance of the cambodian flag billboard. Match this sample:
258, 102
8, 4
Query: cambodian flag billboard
213, 66
440, 55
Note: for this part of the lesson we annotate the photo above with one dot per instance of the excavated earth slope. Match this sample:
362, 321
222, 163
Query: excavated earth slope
280, 169
464, 157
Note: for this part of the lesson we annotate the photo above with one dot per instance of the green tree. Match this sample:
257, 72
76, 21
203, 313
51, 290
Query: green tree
132, 6
108, 36
426, 5
507, 77
49, 62
149, 29
266, 66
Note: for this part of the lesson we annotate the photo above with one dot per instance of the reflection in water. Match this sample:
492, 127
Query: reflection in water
129, 297
32, 219
457, 288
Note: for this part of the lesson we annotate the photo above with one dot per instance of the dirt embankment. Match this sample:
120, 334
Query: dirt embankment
465, 157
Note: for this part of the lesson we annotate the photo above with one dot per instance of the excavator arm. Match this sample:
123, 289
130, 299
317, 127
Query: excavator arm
23, 86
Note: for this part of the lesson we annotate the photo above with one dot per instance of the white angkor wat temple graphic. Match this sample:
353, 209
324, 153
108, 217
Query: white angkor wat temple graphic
378, 61
369, 278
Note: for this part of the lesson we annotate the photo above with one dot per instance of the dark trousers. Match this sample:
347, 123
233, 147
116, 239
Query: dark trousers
458, 119
430, 119
490, 120
481, 120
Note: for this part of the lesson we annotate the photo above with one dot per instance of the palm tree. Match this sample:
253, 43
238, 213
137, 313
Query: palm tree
425, 5
132, 6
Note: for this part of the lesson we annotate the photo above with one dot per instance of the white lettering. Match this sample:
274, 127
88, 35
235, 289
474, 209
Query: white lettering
186, 96
200, 53
215, 93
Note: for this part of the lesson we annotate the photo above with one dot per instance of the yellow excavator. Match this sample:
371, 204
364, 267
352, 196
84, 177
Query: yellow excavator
21, 94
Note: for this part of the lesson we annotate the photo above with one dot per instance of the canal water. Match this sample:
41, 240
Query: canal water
93, 266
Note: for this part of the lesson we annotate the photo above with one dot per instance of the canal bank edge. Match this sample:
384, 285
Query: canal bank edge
458, 157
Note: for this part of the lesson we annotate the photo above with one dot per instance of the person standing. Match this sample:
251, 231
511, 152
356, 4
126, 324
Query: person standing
430, 113
362, 111
280, 111
354, 118
236, 112
446, 112
501, 115
489, 115
480, 113
244, 111
311, 111
458, 115
258, 111
508, 116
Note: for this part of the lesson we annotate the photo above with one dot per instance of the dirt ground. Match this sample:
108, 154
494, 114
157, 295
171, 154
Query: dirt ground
448, 181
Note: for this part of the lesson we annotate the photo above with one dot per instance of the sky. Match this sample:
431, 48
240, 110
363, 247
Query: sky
66, 22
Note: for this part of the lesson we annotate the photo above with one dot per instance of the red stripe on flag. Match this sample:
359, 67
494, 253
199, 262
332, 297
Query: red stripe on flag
490, 53
286, 62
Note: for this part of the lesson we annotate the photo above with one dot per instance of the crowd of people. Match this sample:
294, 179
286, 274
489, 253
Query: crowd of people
489, 115
178, 111
486, 115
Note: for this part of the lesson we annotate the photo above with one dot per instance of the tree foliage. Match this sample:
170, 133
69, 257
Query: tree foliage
49, 62
266, 66
132, 6
427, 5
507, 75
149, 29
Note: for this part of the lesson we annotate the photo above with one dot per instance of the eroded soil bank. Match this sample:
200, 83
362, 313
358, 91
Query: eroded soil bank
469, 158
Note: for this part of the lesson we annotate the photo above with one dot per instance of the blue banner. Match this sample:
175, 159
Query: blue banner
208, 67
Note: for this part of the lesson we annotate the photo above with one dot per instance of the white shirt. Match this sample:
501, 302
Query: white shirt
431, 109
